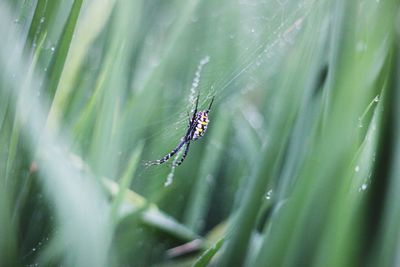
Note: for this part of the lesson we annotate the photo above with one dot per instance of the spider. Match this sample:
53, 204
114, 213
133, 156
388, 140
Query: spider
196, 129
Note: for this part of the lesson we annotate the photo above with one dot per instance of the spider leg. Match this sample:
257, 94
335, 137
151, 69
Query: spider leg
195, 108
197, 103
169, 155
192, 122
209, 107
176, 164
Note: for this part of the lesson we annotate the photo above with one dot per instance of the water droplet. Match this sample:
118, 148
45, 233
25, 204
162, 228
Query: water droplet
269, 194
361, 46
360, 125
41, 19
364, 187
376, 99
16, 20
357, 168
52, 48
253, 31
33, 249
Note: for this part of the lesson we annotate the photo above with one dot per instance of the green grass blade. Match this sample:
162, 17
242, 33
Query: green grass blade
207, 256
126, 181
44, 12
61, 51
151, 216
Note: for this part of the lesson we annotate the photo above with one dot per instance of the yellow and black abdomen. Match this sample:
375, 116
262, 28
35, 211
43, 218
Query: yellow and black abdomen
202, 123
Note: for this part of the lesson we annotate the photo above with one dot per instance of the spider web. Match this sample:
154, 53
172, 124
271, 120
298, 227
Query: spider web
266, 38
268, 29
264, 31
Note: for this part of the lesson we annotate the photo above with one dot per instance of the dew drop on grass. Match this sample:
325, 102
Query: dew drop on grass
41, 19
357, 168
363, 187
360, 125
52, 49
269, 194
361, 46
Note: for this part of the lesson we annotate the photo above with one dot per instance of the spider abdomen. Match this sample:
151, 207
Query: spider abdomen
202, 123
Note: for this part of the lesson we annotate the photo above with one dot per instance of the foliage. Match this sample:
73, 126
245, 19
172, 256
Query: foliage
299, 166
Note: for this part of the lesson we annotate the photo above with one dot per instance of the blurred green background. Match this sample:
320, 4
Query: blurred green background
300, 165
